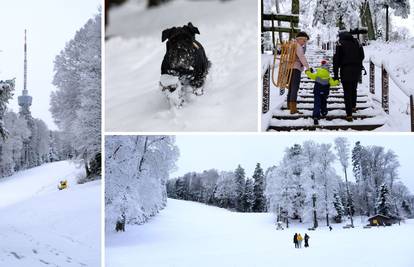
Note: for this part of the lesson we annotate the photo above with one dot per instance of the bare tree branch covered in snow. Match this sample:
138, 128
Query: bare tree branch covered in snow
137, 169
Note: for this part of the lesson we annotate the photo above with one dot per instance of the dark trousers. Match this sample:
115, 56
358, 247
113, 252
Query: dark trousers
294, 86
320, 102
350, 95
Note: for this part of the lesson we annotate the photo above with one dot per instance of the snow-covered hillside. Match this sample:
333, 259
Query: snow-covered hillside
134, 53
42, 226
192, 234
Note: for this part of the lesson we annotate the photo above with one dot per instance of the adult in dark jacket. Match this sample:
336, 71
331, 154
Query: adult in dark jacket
348, 59
295, 240
306, 240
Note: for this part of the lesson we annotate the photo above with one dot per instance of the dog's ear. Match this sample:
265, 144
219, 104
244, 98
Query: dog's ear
193, 29
167, 33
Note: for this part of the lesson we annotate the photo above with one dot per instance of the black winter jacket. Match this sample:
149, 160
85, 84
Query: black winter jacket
348, 58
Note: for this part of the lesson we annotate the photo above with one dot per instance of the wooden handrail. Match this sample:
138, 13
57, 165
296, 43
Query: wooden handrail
385, 75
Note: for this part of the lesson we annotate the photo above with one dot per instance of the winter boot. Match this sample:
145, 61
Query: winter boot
288, 105
315, 122
293, 108
354, 110
349, 118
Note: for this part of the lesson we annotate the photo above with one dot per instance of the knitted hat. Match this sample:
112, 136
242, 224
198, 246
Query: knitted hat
302, 34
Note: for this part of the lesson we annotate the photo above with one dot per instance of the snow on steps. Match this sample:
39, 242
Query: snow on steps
368, 116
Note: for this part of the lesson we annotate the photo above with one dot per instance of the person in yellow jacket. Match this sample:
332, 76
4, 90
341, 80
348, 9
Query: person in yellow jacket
323, 82
300, 239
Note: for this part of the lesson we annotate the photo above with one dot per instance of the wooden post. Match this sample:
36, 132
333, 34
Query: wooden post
295, 11
266, 91
412, 112
385, 90
387, 27
371, 77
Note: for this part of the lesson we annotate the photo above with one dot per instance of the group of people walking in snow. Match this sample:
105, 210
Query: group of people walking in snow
297, 239
347, 62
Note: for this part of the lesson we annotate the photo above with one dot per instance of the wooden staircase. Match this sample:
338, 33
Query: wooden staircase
368, 117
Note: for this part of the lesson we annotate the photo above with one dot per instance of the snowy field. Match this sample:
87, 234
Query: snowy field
134, 53
42, 226
193, 234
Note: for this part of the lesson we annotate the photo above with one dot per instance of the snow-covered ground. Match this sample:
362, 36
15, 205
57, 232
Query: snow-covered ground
193, 234
42, 226
134, 53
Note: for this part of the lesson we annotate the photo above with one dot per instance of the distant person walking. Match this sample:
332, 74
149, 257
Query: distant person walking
295, 240
298, 66
306, 240
300, 238
348, 59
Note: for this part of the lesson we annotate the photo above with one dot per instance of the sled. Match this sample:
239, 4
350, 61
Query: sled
286, 61
63, 185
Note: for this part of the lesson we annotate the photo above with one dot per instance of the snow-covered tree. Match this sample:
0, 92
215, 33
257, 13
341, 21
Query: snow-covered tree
342, 148
383, 204
6, 93
239, 181
225, 191
259, 187
338, 207
76, 105
137, 169
248, 196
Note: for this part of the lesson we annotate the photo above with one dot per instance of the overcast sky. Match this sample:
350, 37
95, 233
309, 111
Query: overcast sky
225, 152
50, 24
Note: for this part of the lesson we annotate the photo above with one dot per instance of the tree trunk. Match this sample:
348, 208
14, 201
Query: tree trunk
315, 219
366, 19
349, 198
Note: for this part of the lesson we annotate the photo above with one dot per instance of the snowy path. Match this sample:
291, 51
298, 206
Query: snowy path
193, 234
41, 226
133, 59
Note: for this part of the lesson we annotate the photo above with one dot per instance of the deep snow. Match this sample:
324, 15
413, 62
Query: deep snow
193, 234
134, 53
42, 226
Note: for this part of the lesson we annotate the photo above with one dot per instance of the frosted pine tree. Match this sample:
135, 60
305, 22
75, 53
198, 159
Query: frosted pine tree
383, 205
248, 196
239, 180
338, 207
259, 187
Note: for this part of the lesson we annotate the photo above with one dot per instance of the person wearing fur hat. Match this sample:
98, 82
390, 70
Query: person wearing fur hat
323, 82
298, 66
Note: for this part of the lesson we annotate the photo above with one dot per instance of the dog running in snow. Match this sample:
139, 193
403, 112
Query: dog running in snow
185, 64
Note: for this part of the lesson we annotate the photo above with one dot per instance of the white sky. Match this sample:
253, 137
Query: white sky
225, 152
50, 24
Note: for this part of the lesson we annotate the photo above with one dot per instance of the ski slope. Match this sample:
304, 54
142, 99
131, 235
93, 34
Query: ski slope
42, 226
193, 234
134, 52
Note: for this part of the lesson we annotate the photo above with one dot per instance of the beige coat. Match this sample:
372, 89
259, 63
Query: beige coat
300, 60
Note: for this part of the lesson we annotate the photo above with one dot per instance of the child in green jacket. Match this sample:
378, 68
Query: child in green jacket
323, 82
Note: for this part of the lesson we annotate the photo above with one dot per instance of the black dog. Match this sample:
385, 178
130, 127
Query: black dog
120, 224
185, 57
